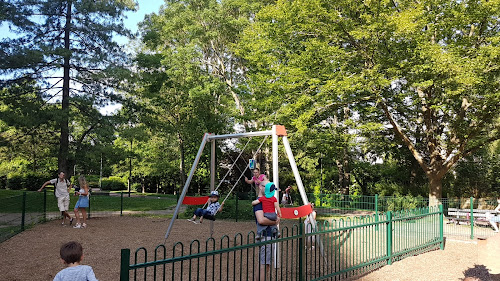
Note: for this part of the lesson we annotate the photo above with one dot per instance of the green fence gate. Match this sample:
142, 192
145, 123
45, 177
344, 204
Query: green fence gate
336, 250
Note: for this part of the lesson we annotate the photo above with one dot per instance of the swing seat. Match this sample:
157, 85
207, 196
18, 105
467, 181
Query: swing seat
296, 212
191, 200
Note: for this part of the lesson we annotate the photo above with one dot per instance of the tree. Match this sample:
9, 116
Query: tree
424, 69
26, 133
67, 47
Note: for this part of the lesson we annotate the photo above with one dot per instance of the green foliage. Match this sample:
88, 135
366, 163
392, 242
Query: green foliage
417, 72
113, 183
28, 181
407, 202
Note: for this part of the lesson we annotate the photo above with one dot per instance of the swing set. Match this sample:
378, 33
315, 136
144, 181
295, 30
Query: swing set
278, 131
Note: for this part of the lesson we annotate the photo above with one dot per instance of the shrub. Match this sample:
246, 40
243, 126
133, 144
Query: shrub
29, 181
113, 183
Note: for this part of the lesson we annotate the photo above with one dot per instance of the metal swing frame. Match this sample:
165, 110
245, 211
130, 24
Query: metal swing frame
278, 131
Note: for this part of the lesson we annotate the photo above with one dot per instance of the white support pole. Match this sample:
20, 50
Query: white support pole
213, 170
296, 174
276, 179
186, 185
276, 182
212, 166
302, 190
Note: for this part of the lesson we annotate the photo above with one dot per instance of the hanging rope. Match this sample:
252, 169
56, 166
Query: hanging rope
234, 163
242, 174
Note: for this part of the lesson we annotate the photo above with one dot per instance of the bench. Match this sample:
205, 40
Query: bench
458, 216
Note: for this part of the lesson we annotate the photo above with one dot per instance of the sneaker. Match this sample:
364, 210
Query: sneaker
77, 226
84, 225
70, 221
191, 220
195, 222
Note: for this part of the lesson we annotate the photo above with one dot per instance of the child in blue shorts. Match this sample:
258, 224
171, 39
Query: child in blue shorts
213, 208
82, 203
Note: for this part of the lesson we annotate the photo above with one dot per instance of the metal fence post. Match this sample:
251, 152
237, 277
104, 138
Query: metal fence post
90, 209
389, 237
302, 273
376, 211
441, 220
23, 211
121, 203
472, 217
236, 199
44, 204
125, 265
177, 195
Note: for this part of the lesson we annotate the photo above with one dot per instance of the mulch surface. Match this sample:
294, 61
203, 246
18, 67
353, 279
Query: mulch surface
34, 253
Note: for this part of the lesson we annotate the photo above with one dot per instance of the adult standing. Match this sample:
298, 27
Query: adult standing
265, 252
494, 220
62, 187
256, 179
309, 227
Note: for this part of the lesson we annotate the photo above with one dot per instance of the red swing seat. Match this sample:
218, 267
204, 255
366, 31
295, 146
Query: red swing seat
192, 200
296, 212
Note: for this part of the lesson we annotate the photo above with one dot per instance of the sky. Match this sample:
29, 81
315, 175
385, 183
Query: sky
133, 18
145, 7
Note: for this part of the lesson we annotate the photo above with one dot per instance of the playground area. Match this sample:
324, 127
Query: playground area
34, 253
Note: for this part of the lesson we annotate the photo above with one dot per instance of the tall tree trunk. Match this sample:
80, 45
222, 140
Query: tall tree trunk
64, 141
435, 189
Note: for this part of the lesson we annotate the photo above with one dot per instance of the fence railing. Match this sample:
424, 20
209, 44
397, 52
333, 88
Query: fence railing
335, 250
24, 210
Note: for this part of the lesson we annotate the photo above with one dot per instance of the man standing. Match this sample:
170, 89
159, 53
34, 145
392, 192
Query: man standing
265, 252
62, 187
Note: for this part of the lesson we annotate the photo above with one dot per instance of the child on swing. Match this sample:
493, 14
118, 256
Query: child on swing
213, 208
270, 206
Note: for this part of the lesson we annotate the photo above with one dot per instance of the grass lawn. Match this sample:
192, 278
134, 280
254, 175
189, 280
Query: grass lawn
11, 201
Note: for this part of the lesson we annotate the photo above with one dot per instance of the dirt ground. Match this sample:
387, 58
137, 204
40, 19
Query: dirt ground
34, 254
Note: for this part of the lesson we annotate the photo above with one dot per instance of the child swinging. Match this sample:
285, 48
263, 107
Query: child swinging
213, 208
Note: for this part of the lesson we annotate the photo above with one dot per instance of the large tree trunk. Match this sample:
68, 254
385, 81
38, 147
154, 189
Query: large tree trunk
435, 189
64, 140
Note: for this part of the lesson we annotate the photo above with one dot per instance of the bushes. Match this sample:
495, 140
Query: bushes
113, 184
29, 181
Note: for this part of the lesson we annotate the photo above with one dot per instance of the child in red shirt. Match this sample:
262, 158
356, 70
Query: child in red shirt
270, 206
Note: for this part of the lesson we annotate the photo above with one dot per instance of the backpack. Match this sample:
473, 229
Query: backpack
55, 184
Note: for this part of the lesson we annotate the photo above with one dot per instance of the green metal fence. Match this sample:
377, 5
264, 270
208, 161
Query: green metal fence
24, 210
335, 250
21, 211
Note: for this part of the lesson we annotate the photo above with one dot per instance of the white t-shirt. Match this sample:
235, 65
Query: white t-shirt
76, 273
61, 187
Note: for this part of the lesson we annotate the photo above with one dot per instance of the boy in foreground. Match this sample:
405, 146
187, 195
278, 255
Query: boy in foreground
71, 255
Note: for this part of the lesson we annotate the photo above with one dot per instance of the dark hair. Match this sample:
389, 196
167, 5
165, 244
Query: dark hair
71, 252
